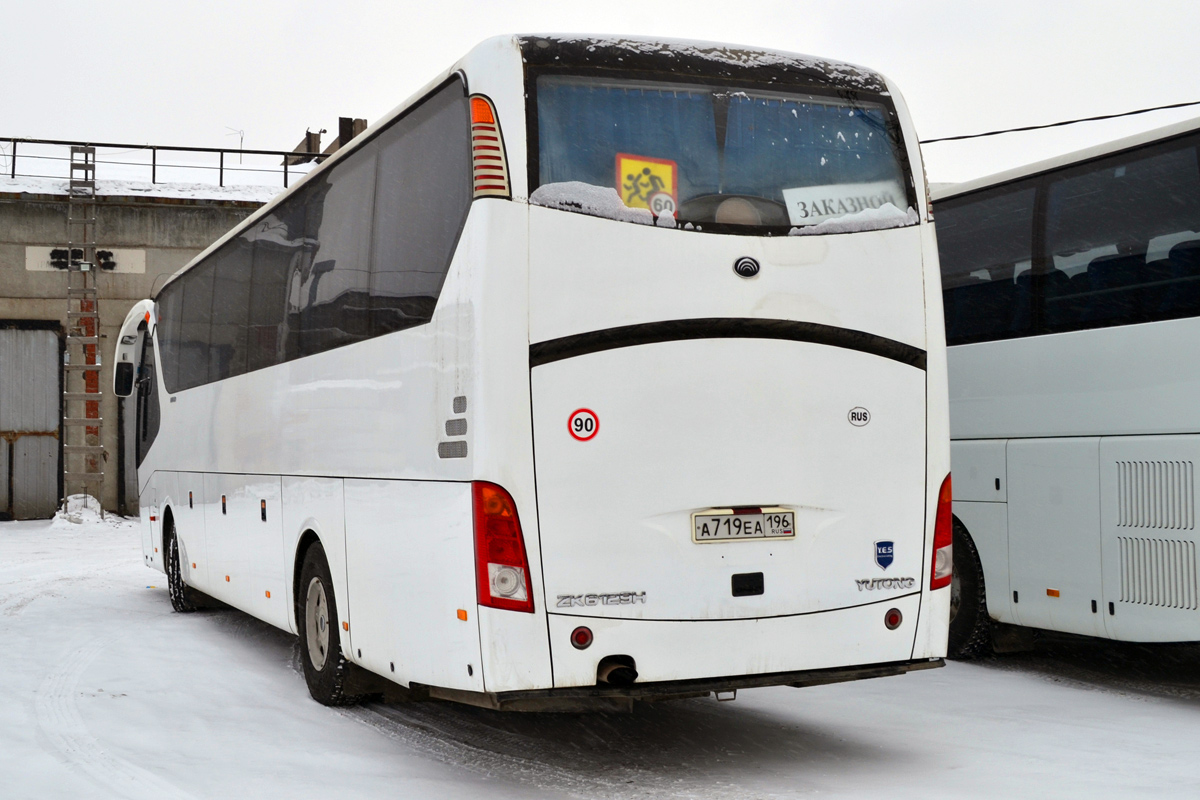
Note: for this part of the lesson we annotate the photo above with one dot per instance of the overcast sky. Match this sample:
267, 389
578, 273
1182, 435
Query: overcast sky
183, 72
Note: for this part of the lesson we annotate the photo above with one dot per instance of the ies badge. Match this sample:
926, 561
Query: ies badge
883, 553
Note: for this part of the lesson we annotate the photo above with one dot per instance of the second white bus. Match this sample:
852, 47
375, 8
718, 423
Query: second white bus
601, 370
1072, 298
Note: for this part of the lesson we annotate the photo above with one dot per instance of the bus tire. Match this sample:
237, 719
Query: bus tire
970, 626
325, 668
183, 597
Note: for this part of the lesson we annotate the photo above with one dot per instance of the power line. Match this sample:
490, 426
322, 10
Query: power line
1058, 124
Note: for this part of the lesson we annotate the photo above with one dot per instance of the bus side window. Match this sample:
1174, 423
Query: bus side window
360, 251
147, 399
1117, 233
985, 245
423, 192
328, 285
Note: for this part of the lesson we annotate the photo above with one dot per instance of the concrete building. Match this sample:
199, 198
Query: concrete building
151, 234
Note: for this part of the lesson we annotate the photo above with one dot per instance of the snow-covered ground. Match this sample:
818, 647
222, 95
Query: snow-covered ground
104, 692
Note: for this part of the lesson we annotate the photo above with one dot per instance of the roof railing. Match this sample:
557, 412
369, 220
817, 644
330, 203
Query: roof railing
289, 158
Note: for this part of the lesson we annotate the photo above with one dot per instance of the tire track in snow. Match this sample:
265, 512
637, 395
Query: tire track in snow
22, 592
464, 738
448, 748
59, 719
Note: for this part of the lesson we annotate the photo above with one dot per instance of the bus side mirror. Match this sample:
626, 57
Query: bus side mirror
128, 352
123, 379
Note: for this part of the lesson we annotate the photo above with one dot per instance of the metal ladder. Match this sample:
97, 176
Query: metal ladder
83, 451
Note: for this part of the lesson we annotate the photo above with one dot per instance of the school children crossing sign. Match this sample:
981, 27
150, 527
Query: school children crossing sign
645, 182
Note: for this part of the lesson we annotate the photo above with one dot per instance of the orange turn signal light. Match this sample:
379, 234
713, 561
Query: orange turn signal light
1052, 593
345, 626
481, 111
462, 614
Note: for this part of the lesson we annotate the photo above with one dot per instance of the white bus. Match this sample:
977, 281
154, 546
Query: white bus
526, 398
1072, 300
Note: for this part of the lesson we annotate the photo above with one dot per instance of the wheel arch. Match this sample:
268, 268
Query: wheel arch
307, 539
166, 522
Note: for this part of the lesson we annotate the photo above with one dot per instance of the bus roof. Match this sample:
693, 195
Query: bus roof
688, 56
630, 51
945, 191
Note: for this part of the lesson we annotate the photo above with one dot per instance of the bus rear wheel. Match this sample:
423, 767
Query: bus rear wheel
325, 668
970, 626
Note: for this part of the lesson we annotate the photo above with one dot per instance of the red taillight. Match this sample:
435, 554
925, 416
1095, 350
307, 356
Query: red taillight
501, 567
943, 540
489, 167
581, 638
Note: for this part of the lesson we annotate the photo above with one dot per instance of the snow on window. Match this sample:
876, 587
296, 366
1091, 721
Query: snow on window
869, 219
586, 198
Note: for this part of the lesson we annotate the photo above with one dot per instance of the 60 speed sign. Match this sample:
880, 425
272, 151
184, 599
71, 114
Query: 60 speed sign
583, 424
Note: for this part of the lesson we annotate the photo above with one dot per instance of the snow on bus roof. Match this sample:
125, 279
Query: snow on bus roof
942, 191
723, 53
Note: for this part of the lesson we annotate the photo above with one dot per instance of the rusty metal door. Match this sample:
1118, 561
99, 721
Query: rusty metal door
30, 397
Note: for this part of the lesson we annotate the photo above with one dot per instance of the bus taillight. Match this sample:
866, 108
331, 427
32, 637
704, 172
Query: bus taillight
943, 540
501, 567
489, 166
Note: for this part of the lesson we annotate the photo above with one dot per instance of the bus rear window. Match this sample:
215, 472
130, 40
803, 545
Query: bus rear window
718, 158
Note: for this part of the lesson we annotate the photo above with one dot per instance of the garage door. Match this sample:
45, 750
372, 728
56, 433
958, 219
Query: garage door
29, 422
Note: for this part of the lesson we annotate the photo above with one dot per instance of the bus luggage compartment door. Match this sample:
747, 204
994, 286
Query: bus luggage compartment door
631, 443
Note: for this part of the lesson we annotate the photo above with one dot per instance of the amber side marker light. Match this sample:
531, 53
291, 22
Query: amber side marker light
1052, 593
462, 614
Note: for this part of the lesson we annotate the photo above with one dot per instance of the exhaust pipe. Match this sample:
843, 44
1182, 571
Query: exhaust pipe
616, 671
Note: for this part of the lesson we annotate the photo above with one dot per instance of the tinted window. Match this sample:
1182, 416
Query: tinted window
422, 193
1123, 241
327, 293
147, 400
169, 310
731, 159
279, 249
985, 245
360, 251
230, 306
195, 326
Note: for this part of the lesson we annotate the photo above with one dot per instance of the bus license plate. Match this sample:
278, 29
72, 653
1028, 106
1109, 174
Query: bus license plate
724, 524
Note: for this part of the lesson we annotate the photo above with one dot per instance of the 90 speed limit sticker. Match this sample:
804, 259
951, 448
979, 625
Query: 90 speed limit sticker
583, 424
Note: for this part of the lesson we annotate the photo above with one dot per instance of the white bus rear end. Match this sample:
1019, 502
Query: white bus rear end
648, 444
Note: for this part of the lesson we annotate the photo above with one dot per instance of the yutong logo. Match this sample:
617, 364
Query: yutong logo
871, 584
614, 599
